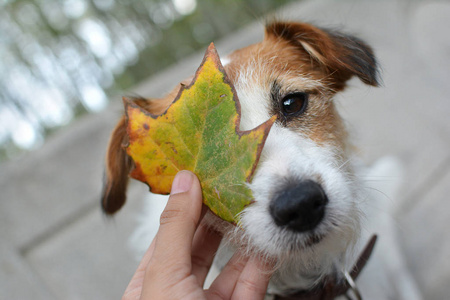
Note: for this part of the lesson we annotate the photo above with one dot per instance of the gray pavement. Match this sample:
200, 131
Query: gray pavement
55, 243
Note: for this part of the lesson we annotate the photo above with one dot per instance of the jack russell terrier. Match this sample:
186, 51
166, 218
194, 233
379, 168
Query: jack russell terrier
309, 192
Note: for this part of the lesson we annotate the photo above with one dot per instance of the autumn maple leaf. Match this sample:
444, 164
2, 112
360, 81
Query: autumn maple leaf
199, 132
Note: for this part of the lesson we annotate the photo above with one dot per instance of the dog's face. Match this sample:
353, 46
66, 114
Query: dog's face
305, 212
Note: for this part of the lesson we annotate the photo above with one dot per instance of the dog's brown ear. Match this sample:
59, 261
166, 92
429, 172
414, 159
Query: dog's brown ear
118, 165
341, 56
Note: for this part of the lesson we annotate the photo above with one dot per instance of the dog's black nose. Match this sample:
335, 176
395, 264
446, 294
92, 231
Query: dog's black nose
299, 207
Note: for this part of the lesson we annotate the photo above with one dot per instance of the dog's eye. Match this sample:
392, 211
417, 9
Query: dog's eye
294, 104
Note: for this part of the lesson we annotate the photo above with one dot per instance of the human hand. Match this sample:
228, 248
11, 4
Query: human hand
177, 262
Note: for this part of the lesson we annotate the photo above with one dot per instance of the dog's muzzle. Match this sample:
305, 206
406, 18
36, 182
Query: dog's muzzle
299, 206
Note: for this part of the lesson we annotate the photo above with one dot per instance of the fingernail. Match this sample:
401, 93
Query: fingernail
182, 182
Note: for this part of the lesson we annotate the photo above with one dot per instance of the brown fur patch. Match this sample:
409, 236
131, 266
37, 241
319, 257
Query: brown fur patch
276, 59
118, 163
341, 56
117, 167
299, 58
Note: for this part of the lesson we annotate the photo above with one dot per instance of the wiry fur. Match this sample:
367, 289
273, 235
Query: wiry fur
290, 155
293, 57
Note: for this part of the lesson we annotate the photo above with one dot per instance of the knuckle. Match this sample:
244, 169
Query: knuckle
238, 266
250, 285
216, 294
169, 216
166, 273
200, 261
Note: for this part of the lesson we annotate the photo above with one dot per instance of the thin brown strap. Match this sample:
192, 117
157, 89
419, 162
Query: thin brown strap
330, 288
364, 257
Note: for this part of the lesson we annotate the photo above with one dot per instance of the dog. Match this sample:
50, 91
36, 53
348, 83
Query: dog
309, 197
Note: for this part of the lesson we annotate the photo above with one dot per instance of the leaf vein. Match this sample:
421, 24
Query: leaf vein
192, 121
223, 206
207, 112
183, 140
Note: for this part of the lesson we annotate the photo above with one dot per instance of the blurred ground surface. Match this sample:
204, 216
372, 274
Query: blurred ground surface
55, 243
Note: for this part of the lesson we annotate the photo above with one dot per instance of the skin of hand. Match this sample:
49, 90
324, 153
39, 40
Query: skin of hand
179, 258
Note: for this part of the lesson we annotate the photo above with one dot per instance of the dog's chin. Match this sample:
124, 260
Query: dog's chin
292, 244
302, 259
313, 239
286, 243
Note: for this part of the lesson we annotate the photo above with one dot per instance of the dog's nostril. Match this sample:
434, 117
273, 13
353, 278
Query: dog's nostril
299, 207
317, 205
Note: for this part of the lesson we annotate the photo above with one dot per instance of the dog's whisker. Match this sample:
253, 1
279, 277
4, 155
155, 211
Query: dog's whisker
345, 163
379, 191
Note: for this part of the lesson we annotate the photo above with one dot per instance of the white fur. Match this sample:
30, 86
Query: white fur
225, 60
287, 155
291, 155
386, 275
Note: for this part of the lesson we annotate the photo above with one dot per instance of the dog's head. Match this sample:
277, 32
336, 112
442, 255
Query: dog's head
306, 211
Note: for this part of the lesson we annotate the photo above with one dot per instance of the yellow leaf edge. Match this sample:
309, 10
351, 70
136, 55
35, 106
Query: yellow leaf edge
210, 54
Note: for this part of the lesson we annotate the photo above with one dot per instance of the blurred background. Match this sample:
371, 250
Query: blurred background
65, 64
64, 58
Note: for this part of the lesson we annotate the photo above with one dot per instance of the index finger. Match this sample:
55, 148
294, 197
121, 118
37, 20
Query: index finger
134, 288
254, 279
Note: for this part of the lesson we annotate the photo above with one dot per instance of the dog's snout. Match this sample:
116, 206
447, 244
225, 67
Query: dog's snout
299, 207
